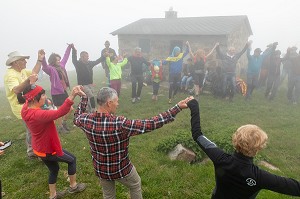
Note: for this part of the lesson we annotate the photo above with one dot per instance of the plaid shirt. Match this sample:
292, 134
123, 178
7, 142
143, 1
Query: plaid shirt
109, 135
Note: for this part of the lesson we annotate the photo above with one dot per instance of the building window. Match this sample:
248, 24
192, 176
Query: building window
144, 44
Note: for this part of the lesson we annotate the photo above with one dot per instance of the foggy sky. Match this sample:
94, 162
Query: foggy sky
30, 25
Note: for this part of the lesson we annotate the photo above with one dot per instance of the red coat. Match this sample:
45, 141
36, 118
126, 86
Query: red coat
44, 136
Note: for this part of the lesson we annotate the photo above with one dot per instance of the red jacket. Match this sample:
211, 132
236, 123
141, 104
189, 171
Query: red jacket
42, 127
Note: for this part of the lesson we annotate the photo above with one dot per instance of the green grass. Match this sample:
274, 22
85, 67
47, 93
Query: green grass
161, 177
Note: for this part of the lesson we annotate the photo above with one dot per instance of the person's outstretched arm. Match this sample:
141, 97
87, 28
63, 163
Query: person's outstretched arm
210, 148
138, 126
212, 50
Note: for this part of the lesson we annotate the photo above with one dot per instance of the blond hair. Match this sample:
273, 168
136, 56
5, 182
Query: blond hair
200, 53
249, 139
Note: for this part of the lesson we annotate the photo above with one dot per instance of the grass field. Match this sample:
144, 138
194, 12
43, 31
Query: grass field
161, 177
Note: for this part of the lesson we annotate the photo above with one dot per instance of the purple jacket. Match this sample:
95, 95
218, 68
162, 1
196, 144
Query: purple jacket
56, 85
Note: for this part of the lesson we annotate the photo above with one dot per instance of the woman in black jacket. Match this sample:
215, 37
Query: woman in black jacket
236, 175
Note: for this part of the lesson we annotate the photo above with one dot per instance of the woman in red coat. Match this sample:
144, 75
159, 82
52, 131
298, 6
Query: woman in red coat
45, 141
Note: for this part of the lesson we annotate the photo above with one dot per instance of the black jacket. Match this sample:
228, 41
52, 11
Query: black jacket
84, 70
236, 175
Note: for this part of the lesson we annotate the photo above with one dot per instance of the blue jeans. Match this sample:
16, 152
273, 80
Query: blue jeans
185, 81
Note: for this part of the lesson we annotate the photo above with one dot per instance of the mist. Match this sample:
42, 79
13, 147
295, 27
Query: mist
30, 25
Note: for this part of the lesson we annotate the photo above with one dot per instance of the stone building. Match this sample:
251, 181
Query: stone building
158, 36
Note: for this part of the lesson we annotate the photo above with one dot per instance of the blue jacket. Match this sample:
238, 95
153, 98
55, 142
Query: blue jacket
255, 62
176, 67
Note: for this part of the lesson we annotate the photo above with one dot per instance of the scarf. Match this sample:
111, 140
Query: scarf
62, 76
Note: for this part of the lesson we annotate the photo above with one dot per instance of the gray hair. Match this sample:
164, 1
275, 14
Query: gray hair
106, 94
138, 49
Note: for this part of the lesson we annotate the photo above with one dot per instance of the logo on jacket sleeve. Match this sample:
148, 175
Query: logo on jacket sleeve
250, 182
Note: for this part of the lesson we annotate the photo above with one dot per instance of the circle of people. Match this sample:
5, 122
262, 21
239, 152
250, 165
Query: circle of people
108, 134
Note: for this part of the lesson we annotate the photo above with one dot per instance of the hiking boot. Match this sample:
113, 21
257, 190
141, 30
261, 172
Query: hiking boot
59, 194
78, 188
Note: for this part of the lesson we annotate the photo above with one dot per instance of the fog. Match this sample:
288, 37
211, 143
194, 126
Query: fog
30, 25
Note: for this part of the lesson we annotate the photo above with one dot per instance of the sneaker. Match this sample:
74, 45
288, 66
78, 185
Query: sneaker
139, 99
59, 194
170, 101
32, 156
78, 188
133, 100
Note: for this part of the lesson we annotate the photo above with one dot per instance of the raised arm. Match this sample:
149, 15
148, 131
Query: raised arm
210, 148
50, 115
66, 55
219, 52
212, 50
238, 55
36, 69
74, 56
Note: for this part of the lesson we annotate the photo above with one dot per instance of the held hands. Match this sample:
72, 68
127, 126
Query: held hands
33, 78
183, 103
77, 90
41, 54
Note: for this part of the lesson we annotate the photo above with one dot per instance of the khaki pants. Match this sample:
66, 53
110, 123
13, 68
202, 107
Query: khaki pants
131, 181
88, 90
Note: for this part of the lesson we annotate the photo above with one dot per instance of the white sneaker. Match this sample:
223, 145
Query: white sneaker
133, 100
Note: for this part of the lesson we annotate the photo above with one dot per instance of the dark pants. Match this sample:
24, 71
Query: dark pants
136, 79
293, 93
155, 87
51, 161
252, 83
273, 82
174, 81
229, 85
116, 84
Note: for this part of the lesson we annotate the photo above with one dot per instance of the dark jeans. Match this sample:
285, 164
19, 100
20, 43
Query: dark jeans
174, 81
293, 93
229, 85
155, 87
252, 82
273, 82
136, 79
51, 161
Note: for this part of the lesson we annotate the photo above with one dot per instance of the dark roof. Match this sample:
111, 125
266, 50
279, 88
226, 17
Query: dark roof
216, 25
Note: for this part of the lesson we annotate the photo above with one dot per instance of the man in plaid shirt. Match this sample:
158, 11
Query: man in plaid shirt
109, 135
